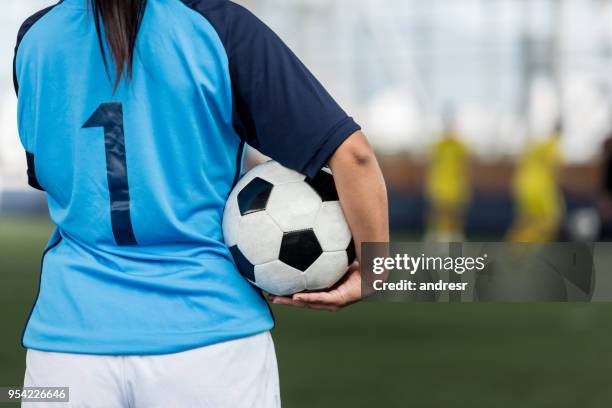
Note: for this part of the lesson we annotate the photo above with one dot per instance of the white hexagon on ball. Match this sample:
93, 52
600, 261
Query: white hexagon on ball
231, 228
259, 238
272, 172
327, 270
294, 206
331, 227
279, 278
276, 174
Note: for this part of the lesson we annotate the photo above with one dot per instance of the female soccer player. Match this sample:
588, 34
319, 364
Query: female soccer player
134, 115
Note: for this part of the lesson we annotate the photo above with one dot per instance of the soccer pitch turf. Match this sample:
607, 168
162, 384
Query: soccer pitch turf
387, 355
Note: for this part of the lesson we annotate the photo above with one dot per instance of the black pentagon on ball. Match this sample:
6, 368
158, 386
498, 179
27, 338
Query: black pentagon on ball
245, 267
254, 196
300, 249
350, 251
323, 184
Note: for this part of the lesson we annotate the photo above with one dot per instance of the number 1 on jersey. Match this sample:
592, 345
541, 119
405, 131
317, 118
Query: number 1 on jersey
110, 117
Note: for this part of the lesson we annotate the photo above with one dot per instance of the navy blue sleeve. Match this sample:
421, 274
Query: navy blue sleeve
279, 107
25, 27
32, 179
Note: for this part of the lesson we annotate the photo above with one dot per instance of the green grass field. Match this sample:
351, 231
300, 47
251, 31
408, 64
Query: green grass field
387, 355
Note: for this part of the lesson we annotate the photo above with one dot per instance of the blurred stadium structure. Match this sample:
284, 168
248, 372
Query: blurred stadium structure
507, 69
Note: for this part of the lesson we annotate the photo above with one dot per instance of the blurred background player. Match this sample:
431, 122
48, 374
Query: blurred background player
539, 204
447, 187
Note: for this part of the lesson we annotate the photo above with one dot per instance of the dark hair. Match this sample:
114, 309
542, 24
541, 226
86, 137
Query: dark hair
121, 20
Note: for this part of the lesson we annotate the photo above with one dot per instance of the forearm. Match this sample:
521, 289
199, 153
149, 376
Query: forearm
362, 191
363, 197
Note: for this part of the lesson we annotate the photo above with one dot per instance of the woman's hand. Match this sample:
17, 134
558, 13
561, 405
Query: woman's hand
346, 292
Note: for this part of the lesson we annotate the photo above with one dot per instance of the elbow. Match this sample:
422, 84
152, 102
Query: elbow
358, 152
363, 156
355, 159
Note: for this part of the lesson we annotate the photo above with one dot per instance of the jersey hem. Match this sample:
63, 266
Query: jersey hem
174, 343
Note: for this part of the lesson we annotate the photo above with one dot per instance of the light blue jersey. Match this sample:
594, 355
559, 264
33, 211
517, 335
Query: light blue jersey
137, 179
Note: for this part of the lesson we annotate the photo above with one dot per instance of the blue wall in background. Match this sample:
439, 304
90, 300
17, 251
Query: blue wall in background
488, 214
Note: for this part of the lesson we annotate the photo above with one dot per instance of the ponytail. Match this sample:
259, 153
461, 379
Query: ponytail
121, 20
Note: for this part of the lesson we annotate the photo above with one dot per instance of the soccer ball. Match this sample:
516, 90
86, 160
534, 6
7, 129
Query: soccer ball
287, 233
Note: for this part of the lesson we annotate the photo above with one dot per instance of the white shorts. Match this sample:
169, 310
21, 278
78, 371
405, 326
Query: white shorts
233, 374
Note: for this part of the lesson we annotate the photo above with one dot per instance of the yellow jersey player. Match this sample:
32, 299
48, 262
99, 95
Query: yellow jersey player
539, 205
447, 188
